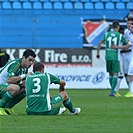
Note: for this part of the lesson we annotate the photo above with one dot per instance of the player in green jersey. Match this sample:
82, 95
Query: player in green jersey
112, 39
38, 96
12, 76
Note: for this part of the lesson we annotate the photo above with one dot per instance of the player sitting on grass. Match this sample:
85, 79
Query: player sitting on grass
38, 96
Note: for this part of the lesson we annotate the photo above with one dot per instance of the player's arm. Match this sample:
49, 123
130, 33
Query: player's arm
98, 49
59, 81
62, 84
16, 79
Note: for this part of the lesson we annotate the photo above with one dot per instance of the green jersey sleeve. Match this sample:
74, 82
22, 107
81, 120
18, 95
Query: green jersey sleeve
123, 40
13, 69
54, 79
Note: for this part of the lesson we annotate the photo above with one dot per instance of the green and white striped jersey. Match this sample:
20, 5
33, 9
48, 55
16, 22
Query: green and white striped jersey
12, 68
109, 39
37, 91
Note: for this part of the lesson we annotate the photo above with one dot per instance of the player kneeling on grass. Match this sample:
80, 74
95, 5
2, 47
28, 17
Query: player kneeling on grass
38, 95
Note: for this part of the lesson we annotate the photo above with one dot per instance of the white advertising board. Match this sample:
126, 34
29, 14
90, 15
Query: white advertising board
83, 77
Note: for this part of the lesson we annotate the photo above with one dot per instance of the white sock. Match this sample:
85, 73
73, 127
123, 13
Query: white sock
131, 86
118, 84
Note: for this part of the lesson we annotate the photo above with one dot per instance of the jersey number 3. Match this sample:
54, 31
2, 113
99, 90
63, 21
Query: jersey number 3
37, 85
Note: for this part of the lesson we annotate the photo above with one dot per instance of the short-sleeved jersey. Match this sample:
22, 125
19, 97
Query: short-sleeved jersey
109, 39
12, 68
37, 91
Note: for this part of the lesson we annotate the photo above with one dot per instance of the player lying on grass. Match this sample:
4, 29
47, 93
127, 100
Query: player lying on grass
38, 96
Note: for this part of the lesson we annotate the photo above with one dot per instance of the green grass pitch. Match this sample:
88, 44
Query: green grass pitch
100, 114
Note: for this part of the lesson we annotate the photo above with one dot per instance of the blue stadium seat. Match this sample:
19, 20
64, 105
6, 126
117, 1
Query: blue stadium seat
3, 0
44, 0
58, 5
6, 5
99, 5
88, 5
129, 5
0, 6
74, 0
78, 5
16, 5
84, 0
47, 5
54, 0
105, 0
115, 0
126, 1
68, 5
37, 5
120, 5
27, 5
13, 1
23, 0
109, 5
95, 0
64, 0
33, 0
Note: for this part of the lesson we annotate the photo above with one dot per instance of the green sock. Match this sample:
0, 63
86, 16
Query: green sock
110, 80
114, 83
6, 98
68, 104
15, 100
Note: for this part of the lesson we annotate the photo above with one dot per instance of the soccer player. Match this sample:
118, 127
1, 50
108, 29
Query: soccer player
127, 54
112, 40
126, 58
130, 69
121, 73
38, 96
12, 76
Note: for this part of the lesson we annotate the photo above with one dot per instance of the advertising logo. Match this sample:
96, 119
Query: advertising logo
98, 78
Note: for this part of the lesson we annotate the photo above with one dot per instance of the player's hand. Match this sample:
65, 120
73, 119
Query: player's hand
114, 46
28, 74
98, 56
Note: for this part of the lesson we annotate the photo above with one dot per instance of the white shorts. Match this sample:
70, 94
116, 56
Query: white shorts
126, 61
130, 69
121, 73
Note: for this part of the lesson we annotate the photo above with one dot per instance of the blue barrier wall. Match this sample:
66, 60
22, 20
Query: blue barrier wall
48, 28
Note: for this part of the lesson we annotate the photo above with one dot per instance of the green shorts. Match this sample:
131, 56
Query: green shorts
113, 66
3, 89
56, 103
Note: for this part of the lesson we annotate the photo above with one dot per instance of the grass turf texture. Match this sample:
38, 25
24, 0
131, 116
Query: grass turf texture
100, 114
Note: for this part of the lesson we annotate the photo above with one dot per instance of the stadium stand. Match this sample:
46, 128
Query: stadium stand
68, 5
89, 5
99, 5
109, 5
129, 5
115, 0
37, 5
6, 5
16, 5
58, 5
54, 23
61, 4
120, 5
78, 5
27, 5
47, 5
23, 0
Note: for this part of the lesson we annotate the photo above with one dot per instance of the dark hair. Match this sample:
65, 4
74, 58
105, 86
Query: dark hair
38, 66
121, 30
115, 24
129, 19
29, 52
